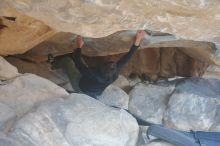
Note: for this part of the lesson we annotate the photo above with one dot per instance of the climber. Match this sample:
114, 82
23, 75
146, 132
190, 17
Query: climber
92, 81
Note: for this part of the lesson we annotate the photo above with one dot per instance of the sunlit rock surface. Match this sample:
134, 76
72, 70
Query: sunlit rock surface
194, 105
7, 71
189, 19
77, 120
22, 34
149, 101
114, 96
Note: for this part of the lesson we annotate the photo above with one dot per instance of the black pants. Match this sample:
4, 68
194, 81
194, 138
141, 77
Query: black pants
68, 65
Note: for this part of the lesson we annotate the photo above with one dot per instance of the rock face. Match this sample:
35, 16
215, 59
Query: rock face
149, 101
7, 116
24, 92
41, 69
23, 34
7, 71
77, 120
114, 96
6, 141
195, 100
99, 18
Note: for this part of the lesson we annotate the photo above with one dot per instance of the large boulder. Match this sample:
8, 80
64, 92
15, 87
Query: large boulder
7, 71
78, 120
7, 117
194, 105
114, 96
26, 91
150, 101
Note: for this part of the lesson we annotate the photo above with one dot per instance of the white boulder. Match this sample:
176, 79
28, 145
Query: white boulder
7, 117
28, 90
149, 101
7, 71
114, 96
78, 120
194, 105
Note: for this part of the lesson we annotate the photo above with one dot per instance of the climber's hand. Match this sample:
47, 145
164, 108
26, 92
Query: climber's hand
139, 36
79, 41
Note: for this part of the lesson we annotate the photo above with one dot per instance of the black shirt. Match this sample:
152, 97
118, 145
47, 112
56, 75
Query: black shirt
92, 83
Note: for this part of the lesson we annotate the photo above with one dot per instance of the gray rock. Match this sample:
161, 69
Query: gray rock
7, 71
24, 92
194, 105
6, 141
134, 81
216, 126
114, 96
78, 120
7, 117
150, 101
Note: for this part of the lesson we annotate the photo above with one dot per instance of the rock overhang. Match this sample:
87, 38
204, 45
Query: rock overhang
187, 20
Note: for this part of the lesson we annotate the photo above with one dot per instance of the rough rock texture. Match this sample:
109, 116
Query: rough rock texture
78, 120
120, 42
195, 100
23, 34
7, 71
149, 101
6, 141
114, 96
99, 18
26, 91
43, 70
155, 61
7, 115
216, 125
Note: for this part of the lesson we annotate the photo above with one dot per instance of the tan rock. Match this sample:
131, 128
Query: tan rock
22, 35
